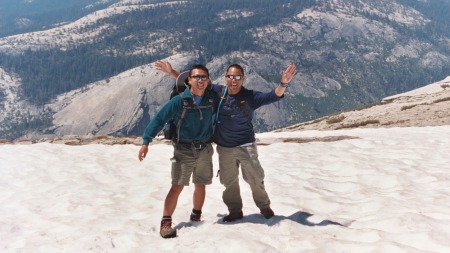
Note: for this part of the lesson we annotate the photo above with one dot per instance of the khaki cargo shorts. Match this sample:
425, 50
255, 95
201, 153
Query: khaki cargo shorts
184, 164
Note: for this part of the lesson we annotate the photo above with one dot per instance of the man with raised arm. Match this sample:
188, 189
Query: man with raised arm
235, 137
193, 112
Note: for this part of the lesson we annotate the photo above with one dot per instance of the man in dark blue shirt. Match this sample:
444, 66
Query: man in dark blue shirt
235, 137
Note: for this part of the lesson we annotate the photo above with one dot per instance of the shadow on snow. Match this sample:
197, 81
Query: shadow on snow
299, 217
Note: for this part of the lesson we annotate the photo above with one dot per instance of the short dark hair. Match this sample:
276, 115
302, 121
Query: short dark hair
199, 66
236, 66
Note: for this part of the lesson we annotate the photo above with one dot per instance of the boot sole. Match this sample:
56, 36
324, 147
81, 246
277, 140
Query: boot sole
171, 235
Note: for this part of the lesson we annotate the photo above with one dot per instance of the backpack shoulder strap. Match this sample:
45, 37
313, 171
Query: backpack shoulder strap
243, 105
185, 106
223, 95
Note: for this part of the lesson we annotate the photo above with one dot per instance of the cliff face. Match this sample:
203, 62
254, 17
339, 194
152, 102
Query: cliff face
121, 105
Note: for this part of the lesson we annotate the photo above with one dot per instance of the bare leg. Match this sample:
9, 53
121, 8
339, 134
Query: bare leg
199, 196
172, 199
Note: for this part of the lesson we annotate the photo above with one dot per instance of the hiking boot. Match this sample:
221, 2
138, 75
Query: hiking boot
267, 213
233, 216
166, 230
196, 217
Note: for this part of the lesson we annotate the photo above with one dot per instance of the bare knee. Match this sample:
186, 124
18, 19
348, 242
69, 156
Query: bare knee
200, 186
176, 189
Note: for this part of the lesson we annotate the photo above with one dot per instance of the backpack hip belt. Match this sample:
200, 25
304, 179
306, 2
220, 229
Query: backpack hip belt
196, 144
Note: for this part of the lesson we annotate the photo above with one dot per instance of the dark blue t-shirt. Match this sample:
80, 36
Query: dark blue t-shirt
234, 127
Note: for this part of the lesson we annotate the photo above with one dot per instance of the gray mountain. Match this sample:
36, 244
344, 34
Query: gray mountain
95, 75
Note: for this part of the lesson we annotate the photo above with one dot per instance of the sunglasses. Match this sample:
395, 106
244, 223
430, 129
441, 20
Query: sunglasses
235, 77
203, 78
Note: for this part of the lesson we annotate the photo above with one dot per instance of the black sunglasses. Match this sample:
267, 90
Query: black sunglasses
203, 78
235, 77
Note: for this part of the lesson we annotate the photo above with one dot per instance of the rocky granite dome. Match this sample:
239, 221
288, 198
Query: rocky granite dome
425, 106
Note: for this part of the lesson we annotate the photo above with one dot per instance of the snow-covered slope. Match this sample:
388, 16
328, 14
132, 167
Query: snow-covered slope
427, 89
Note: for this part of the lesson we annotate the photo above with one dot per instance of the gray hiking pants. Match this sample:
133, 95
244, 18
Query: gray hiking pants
252, 172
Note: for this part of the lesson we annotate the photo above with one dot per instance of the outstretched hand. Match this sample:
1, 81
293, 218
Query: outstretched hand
164, 67
288, 74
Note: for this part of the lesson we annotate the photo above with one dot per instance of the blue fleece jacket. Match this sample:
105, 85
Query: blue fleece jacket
196, 124
234, 127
